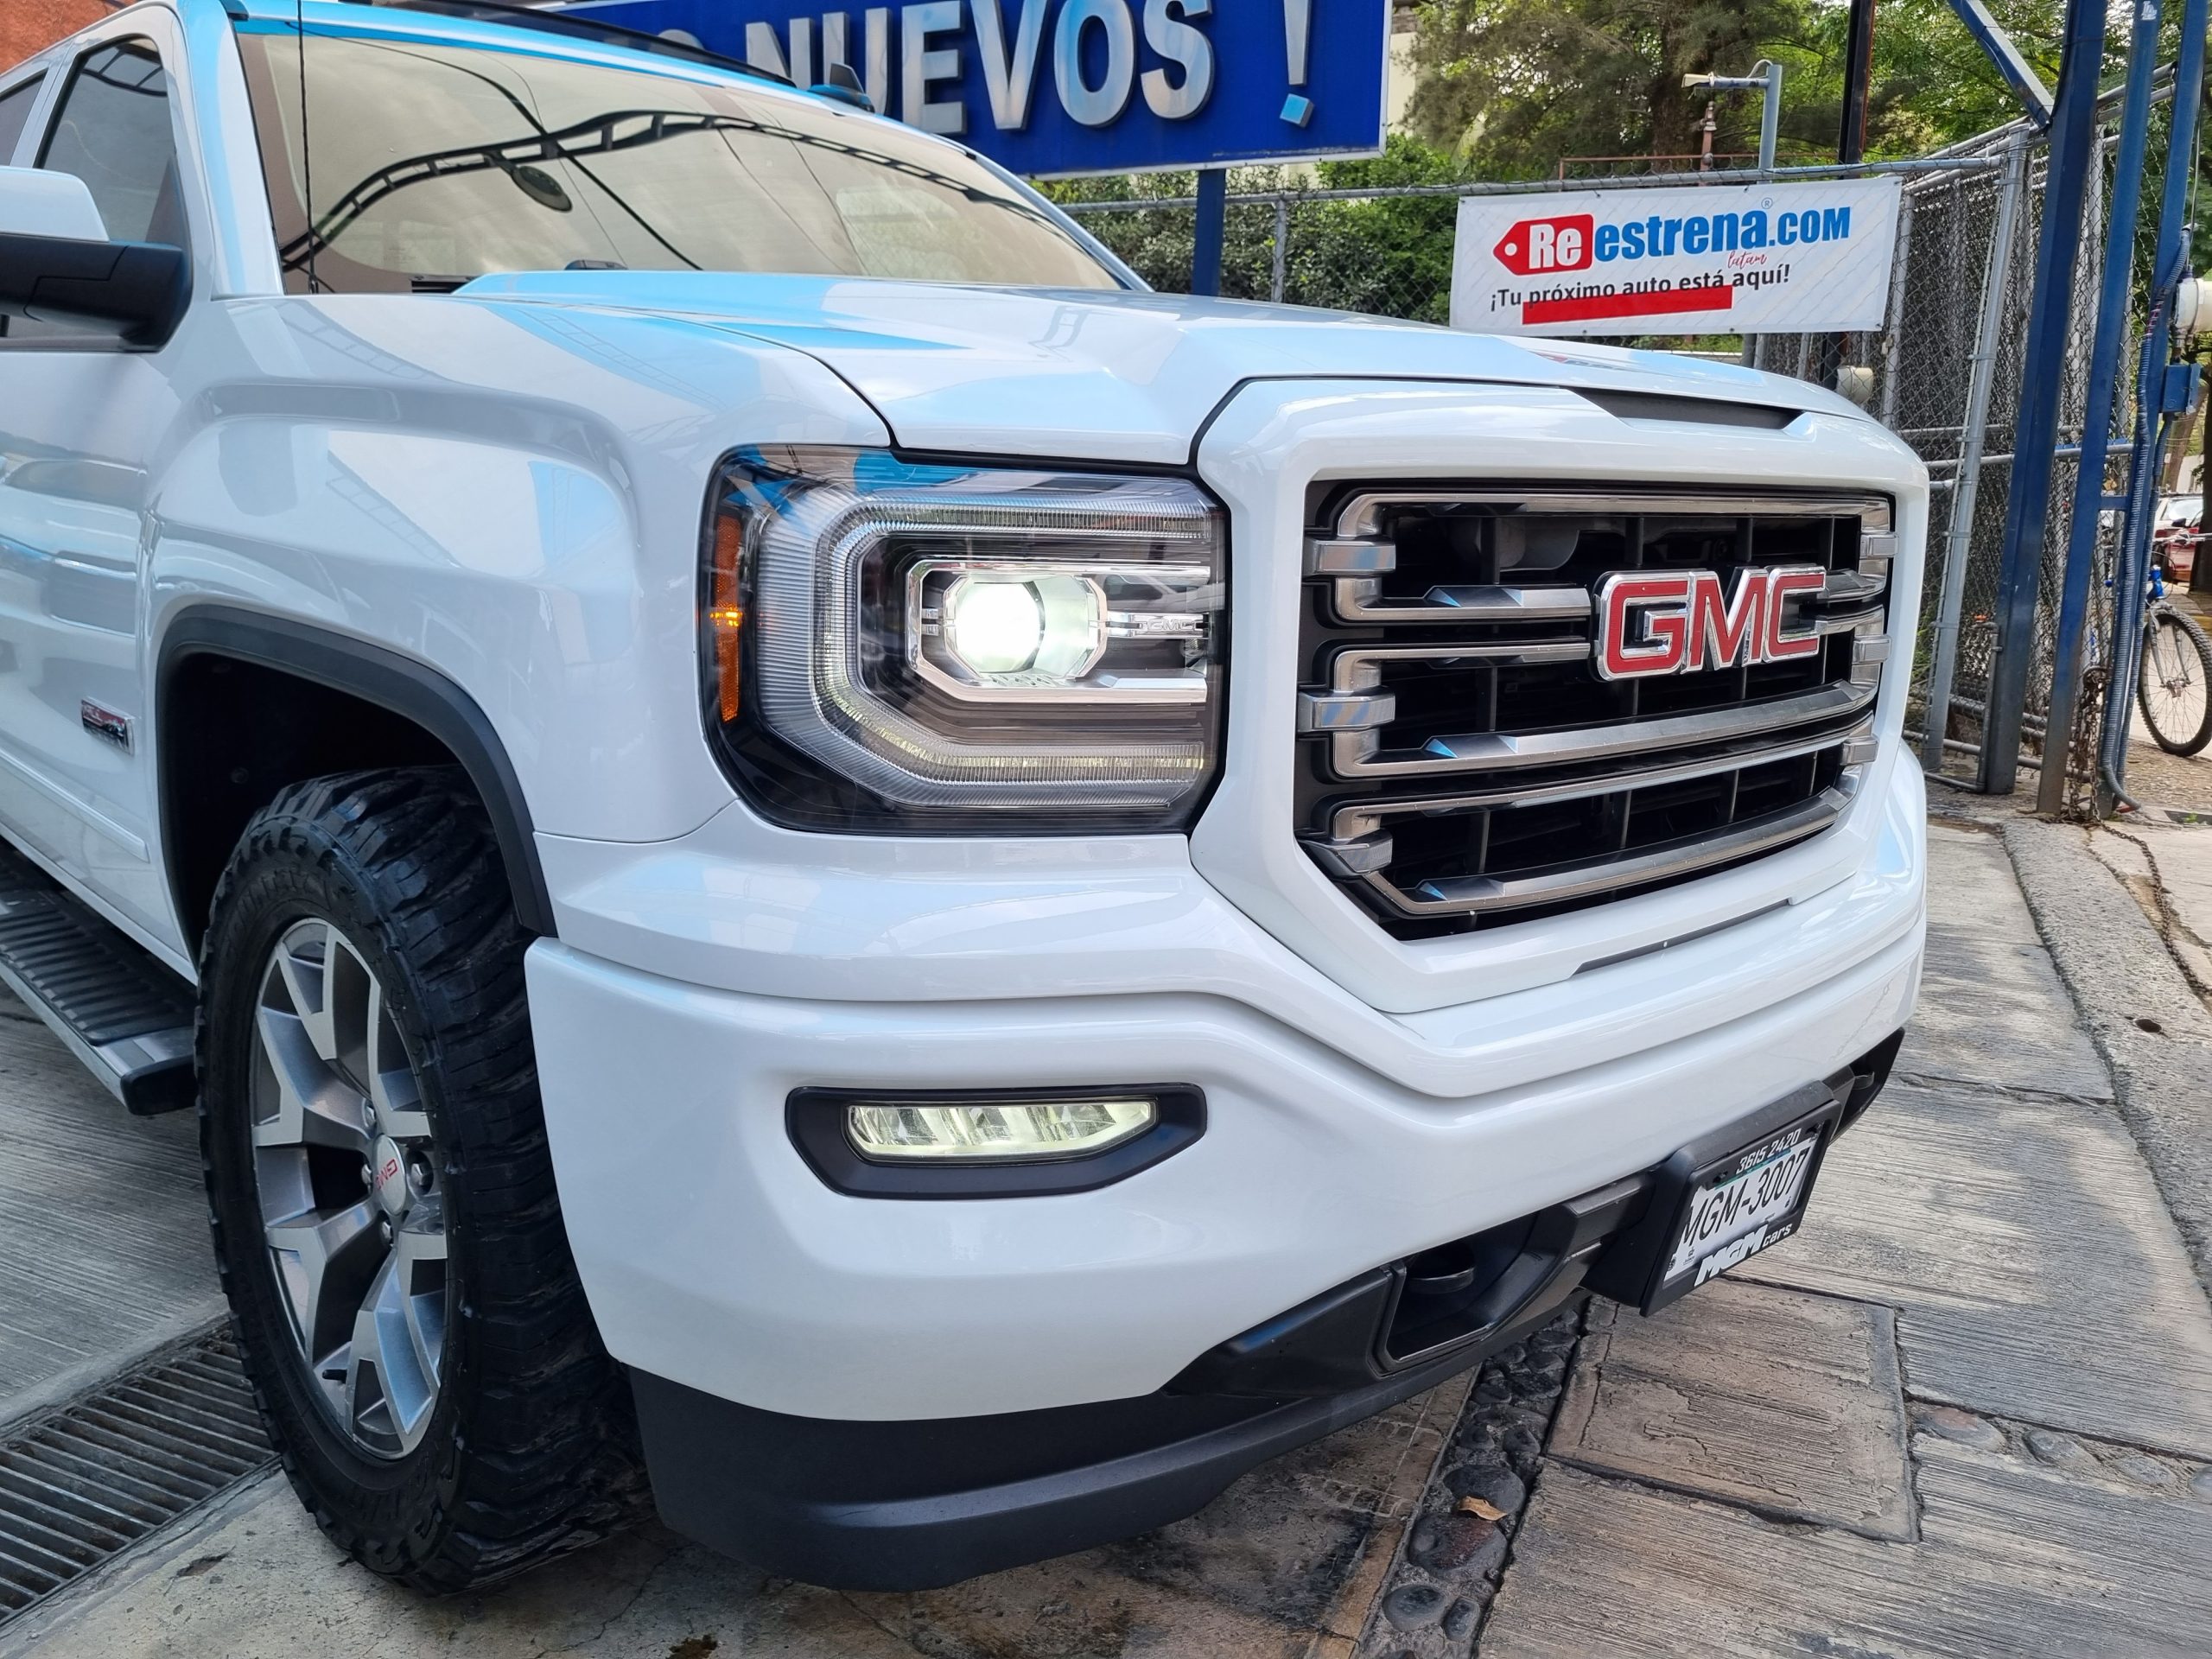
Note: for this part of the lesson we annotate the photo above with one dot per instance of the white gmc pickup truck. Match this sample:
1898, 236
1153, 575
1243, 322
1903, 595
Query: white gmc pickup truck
808, 854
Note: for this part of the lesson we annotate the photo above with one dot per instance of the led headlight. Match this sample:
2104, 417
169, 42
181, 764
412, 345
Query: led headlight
889, 645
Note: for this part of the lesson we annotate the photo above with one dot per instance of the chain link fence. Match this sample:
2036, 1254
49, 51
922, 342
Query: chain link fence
1945, 373
1949, 370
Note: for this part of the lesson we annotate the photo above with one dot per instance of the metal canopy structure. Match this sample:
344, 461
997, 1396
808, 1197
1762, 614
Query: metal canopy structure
2018, 74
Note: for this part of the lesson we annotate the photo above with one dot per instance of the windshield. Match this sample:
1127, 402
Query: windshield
419, 166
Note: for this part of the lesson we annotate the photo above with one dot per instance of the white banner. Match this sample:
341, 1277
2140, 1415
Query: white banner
1696, 259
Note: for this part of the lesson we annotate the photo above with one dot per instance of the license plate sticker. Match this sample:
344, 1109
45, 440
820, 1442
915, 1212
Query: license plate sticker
1741, 1210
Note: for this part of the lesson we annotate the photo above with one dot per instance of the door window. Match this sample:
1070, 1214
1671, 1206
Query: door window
15, 111
113, 131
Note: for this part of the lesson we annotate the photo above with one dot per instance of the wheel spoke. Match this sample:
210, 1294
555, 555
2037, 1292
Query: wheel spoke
391, 1075
366, 1370
313, 1107
304, 983
392, 1373
323, 1262
419, 1276
348, 989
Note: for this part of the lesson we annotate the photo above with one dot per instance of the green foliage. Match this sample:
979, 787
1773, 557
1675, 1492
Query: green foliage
1513, 86
1932, 83
1391, 257
1516, 86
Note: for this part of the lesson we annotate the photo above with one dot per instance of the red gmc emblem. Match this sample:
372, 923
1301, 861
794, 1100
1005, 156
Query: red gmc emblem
1652, 622
1535, 246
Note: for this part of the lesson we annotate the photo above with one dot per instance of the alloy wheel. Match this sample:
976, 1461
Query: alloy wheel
346, 1171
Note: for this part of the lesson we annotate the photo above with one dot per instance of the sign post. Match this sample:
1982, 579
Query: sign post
1207, 230
1779, 258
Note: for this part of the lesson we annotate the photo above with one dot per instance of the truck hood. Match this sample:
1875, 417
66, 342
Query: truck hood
1104, 375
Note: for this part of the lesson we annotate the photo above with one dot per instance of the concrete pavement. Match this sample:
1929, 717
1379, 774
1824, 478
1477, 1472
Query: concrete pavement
104, 1225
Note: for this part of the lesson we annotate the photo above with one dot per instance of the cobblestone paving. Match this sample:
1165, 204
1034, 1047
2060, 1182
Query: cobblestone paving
1448, 1567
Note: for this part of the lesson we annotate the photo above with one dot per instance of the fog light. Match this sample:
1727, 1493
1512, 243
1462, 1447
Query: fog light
994, 1131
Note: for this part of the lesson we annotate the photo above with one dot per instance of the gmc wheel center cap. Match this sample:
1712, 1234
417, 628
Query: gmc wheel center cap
388, 1182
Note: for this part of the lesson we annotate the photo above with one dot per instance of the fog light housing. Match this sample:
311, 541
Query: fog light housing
994, 1131
990, 1143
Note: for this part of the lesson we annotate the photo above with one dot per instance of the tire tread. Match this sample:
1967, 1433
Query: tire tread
544, 1456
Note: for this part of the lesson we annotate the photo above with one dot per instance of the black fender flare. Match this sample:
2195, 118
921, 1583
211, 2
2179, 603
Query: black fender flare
400, 684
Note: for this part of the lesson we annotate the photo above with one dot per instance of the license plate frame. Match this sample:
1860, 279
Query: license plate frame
1644, 1272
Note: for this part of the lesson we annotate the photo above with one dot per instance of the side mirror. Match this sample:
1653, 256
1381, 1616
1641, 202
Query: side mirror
56, 264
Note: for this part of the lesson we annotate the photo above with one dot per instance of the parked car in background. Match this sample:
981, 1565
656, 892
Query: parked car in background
2175, 535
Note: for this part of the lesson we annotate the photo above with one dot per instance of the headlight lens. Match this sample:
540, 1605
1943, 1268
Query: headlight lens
957, 649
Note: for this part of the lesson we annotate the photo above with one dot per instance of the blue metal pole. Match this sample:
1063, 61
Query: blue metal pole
2027, 509
2090, 500
2134, 570
1208, 230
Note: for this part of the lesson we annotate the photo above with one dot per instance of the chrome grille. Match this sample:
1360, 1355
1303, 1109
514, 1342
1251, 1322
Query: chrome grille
1465, 764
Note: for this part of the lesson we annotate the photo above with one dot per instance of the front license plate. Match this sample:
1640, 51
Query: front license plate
1739, 1216
1736, 1206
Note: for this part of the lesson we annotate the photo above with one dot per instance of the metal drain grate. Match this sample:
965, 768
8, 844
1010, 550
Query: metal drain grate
85, 1483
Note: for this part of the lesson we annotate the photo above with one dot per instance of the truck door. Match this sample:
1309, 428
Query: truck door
80, 420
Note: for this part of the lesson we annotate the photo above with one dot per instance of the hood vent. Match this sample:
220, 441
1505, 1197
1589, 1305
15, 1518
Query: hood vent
1689, 411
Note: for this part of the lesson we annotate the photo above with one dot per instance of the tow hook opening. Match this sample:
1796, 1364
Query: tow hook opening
1467, 1296
1502, 1278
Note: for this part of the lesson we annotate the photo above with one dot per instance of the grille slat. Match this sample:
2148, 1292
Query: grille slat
1467, 763
1468, 894
1466, 752
97, 1477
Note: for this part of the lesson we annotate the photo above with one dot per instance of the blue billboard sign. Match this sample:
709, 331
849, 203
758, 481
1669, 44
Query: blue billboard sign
1052, 87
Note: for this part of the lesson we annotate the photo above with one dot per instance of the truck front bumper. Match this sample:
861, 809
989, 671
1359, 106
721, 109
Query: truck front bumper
810, 1365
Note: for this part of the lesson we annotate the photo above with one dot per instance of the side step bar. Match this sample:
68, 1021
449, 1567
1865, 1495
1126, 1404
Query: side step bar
127, 1017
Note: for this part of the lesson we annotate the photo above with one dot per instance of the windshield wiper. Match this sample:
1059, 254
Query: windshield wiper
601, 134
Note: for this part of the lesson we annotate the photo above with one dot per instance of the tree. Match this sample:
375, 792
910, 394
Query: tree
1517, 86
1932, 83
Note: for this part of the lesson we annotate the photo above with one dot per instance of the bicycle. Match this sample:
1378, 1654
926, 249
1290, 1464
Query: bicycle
2174, 689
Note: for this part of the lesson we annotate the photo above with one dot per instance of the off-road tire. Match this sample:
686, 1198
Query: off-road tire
531, 1446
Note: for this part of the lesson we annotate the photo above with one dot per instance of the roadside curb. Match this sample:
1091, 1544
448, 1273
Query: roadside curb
2147, 1023
65, 1387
